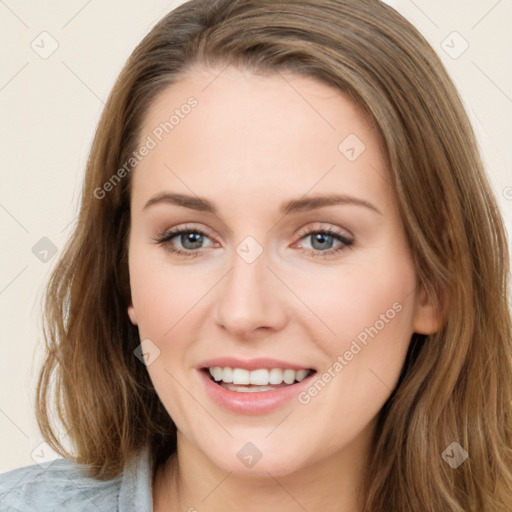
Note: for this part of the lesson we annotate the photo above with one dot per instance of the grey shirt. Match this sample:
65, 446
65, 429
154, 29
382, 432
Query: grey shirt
63, 485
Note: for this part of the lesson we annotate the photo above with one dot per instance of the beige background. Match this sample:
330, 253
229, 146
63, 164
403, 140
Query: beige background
50, 107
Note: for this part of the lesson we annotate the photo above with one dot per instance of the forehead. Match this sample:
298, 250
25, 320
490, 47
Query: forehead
237, 130
243, 98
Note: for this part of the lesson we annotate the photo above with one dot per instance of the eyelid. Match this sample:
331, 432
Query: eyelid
176, 230
323, 226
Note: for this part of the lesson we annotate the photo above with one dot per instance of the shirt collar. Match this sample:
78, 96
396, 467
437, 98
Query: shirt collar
136, 490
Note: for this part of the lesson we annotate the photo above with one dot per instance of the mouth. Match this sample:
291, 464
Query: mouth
253, 386
259, 380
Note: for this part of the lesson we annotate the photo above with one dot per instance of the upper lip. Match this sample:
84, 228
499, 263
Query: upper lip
252, 364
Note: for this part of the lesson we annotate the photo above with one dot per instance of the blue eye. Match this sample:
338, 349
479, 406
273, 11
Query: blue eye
192, 238
322, 238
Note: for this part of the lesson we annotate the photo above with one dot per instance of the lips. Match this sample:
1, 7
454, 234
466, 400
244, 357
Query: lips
252, 364
253, 386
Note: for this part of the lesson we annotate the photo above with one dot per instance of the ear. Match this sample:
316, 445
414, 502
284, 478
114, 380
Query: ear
132, 314
428, 314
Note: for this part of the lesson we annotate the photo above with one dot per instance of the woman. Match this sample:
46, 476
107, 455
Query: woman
287, 287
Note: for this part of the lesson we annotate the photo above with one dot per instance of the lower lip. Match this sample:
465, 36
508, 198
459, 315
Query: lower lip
259, 402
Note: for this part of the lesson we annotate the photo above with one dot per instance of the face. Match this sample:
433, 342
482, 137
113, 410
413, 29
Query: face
252, 268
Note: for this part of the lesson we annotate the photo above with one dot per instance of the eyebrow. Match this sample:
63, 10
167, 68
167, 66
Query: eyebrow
293, 206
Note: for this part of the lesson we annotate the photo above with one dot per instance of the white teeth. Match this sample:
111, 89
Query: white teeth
289, 376
240, 376
260, 377
275, 376
217, 373
301, 374
227, 375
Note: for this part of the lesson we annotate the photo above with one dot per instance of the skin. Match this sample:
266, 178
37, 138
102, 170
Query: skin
253, 142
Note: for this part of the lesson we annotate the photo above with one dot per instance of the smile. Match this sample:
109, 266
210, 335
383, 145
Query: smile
253, 392
252, 381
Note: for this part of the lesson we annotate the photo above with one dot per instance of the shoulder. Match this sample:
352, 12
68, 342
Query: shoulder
62, 485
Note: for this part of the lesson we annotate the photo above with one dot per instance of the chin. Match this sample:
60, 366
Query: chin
247, 459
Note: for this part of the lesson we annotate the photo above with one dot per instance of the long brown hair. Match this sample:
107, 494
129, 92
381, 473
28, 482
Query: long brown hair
456, 385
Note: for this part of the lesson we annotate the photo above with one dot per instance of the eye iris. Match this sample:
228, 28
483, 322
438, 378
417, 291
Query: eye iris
194, 238
321, 238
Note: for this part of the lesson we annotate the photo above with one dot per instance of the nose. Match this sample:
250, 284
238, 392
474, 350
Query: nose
251, 299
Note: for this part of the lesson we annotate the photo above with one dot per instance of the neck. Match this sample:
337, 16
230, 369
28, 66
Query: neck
191, 482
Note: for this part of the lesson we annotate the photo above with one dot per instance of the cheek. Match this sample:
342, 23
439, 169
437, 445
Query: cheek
348, 300
369, 311
163, 297
162, 294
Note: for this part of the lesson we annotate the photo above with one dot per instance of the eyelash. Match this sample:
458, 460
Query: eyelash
166, 236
